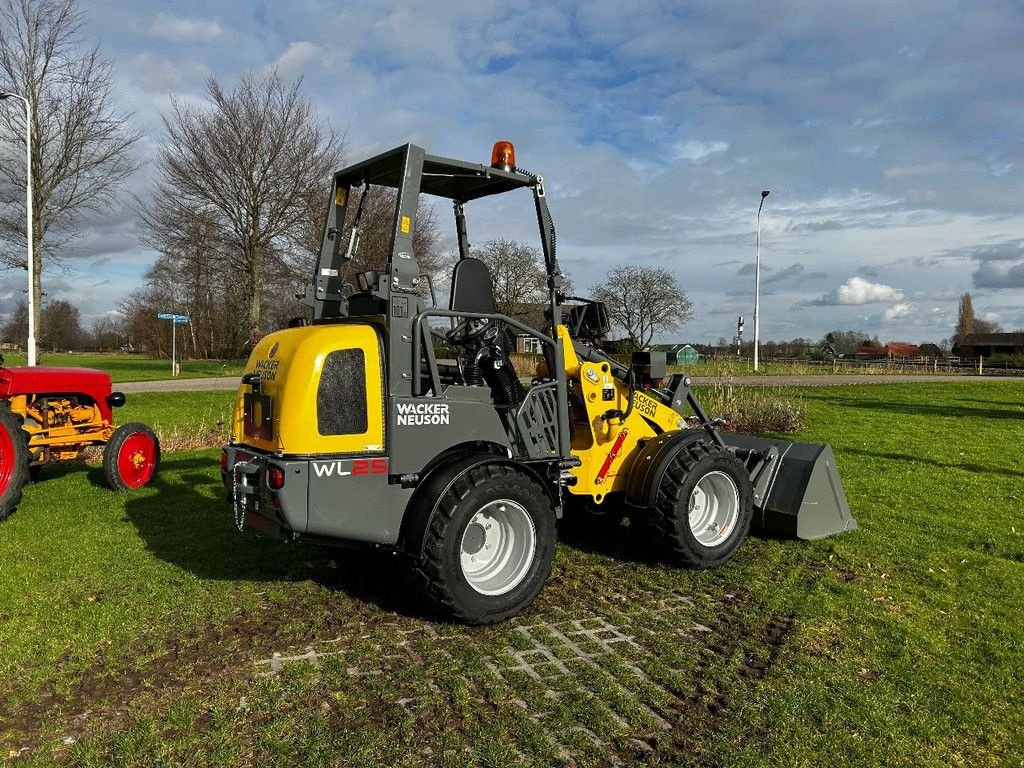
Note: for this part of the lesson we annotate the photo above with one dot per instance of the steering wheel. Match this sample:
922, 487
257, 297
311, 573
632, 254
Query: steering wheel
465, 332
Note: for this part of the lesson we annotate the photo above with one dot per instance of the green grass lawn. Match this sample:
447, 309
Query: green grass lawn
728, 367
139, 629
181, 418
132, 367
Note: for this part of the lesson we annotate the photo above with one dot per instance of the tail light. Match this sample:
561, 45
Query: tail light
275, 477
224, 468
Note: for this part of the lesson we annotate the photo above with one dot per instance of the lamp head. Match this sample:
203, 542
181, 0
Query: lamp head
765, 193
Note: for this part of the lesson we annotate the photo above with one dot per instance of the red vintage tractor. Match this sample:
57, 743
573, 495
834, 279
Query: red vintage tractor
49, 415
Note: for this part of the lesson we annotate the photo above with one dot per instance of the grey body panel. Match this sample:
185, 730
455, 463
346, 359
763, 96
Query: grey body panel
347, 499
421, 428
351, 499
249, 487
798, 492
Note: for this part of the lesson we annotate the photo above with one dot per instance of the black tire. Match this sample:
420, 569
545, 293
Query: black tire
669, 521
13, 461
437, 565
134, 435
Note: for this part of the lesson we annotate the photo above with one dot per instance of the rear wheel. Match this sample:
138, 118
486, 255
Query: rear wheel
489, 544
131, 457
705, 504
13, 462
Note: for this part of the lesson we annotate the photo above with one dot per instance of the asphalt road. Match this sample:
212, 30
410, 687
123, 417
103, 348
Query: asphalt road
179, 385
825, 380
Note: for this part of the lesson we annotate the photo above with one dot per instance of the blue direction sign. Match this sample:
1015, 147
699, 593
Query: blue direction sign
176, 320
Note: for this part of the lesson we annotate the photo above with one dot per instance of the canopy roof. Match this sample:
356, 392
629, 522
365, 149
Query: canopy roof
442, 176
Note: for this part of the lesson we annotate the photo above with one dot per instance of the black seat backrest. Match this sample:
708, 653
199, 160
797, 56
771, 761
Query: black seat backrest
472, 290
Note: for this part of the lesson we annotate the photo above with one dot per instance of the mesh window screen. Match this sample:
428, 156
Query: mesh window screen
341, 398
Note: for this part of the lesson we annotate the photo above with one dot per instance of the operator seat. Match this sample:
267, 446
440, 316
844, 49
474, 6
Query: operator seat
473, 291
472, 288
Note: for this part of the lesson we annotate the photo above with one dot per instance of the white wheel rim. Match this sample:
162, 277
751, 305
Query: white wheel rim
714, 508
497, 547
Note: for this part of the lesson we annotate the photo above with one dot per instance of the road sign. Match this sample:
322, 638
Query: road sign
176, 320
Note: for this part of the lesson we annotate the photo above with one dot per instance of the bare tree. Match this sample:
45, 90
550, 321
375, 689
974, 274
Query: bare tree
81, 144
16, 327
63, 326
246, 164
643, 301
104, 333
964, 319
517, 273
376, 227
845, 342
967, 322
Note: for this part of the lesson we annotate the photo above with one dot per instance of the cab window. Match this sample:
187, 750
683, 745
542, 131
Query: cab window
341, 396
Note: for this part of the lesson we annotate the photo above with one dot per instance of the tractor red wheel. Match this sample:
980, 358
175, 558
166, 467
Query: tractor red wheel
131, 457
13, 461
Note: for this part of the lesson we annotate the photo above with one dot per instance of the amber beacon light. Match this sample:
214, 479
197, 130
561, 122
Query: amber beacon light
503, 156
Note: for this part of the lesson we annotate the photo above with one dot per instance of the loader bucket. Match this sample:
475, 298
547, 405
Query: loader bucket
797, 490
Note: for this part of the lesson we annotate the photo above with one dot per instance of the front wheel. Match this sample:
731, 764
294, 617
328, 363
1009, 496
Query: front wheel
489, 544
705, 504
13, 462
132, 457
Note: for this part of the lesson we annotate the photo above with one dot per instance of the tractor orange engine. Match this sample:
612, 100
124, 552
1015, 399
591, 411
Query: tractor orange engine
61, 412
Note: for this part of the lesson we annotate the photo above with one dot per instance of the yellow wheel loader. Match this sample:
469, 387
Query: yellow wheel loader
350, 428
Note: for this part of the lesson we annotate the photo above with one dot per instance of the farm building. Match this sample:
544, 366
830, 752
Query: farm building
894, 349
531, 314
677, 354
989, 344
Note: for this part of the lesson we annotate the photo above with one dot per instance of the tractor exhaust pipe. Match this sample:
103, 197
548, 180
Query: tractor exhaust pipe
797, 490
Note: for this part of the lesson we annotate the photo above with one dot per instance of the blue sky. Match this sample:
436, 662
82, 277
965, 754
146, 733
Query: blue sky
890, 134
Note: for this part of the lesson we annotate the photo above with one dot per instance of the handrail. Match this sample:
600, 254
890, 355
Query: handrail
435, 379
554, 343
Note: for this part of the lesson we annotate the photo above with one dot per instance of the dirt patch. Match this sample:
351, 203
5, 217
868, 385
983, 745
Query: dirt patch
582, 678
176, 662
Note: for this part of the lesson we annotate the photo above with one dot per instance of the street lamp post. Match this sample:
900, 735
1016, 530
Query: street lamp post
28, 225
757, 280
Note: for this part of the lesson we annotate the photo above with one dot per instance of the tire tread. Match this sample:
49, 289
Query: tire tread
429, 569
11, 496
662, 521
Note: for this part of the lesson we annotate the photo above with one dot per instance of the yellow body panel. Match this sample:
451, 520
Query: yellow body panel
294, 395
595, 437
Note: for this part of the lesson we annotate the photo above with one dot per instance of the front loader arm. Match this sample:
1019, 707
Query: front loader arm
606, 445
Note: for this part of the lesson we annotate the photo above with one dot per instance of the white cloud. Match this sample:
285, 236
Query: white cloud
857, 291
898, 312
503, 48
694, 151
153, 74
171, 27
297, 56
904, 171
